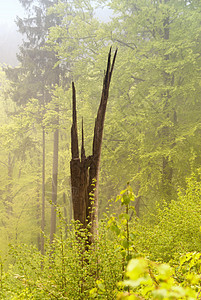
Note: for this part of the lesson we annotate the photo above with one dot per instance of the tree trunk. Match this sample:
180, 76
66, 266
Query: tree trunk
38, 211
54, 185
43, 199
167, 170
55, 169
65, 213
9, 187
85, 170
137, 203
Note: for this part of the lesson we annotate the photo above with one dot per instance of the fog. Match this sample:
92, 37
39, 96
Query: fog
99, 124
10, 38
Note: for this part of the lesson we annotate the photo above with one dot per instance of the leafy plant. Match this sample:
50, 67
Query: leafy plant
174, 228
151, 280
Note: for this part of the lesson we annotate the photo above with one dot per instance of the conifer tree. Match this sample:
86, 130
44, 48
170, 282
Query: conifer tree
36, 76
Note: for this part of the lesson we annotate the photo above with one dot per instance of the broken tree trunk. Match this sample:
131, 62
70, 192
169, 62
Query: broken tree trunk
85, 170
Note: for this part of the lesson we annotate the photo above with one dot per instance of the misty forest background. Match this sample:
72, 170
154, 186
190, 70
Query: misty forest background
152, 138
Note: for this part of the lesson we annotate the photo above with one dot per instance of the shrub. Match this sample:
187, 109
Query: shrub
150, 280
175, 228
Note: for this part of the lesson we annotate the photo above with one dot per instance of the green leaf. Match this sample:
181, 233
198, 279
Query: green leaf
136, 268
115, 228
125, 244
125, 199
124, 216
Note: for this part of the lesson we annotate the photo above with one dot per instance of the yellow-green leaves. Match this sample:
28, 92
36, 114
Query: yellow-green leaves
151, 280
136, 268
126, 196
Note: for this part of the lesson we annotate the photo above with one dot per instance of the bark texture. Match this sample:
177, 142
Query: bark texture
85, 170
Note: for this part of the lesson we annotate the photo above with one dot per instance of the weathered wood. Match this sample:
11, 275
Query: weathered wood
78, 200
85, 171
97, 143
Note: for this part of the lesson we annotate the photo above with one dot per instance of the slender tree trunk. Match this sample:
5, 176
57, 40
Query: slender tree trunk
70, 208
65, 213
137, 199
43, 199
167, 170
9, 187
55, 169
38, 212
54, 185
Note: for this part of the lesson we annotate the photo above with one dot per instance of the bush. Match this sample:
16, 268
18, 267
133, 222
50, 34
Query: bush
72, 269
67, 270
175, 228
150, 280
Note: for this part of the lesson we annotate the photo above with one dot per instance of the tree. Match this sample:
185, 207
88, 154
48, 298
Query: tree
85, 170
36, 76
19, 189
155, 96
174, 229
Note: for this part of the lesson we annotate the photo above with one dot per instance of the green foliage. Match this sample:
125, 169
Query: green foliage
151, 280
70, 271
120, 224
155, 110
173, 228
66, 271
153, 120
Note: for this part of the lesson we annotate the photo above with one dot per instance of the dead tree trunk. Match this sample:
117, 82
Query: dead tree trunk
85, 170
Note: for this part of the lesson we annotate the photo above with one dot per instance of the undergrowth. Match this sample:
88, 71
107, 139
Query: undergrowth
124, 262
